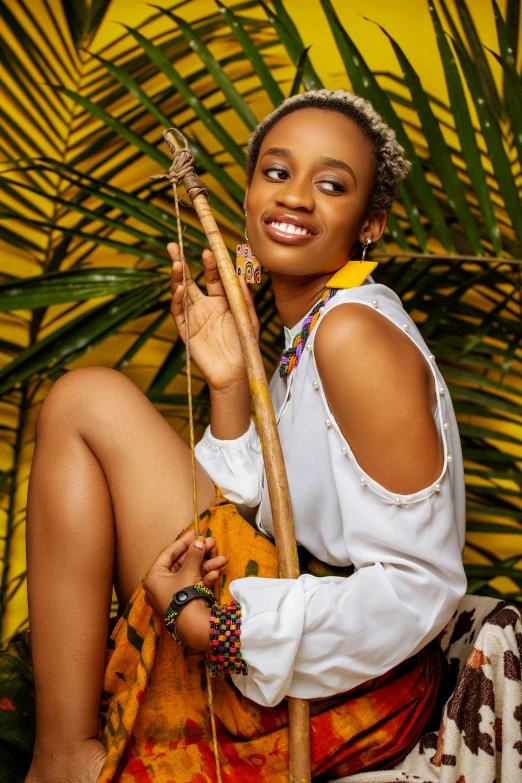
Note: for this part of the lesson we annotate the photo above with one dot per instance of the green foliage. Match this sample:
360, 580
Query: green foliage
72, 137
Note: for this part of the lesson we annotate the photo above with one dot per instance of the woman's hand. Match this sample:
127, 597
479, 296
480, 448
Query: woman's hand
181, 565
214, 341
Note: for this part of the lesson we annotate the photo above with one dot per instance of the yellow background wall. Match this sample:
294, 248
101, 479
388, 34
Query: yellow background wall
407, 21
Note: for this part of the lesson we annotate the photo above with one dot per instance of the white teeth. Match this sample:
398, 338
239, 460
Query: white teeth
289, 228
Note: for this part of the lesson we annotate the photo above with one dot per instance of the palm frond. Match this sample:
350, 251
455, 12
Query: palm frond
77, 231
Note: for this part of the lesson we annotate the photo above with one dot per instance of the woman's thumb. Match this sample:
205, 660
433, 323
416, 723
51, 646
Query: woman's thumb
197, 551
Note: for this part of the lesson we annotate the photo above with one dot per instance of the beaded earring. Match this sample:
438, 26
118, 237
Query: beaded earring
246, 262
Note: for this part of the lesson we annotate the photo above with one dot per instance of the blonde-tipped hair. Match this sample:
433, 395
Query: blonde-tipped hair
392, 165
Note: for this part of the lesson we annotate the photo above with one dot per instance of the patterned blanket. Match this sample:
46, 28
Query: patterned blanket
480, 735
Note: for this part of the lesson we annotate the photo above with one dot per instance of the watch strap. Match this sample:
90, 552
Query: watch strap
180, 599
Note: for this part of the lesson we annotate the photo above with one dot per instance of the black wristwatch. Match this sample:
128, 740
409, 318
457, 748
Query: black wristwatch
179, 600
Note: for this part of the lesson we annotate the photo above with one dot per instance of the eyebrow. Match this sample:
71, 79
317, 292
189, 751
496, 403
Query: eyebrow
333, 162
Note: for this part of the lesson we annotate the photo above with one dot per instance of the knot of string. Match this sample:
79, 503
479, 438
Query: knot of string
182, 162
182, 167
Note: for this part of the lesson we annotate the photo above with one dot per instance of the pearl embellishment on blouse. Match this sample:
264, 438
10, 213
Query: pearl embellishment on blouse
446, 425
308, 347
405, 327
375, 303
441, 391
332, 473
438, 487
431, 357
315, 384
450, 458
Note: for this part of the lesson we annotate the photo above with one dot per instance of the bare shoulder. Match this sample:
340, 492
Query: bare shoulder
354, 326
380, 390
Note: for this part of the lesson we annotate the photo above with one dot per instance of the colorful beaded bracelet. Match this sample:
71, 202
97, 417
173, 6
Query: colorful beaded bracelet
225, 640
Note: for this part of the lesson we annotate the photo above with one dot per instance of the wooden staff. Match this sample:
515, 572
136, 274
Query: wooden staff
182, 171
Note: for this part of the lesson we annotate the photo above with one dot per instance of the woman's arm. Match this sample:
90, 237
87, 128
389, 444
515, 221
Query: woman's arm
214, 342
229, 450
381, 392
314, 637
230, 410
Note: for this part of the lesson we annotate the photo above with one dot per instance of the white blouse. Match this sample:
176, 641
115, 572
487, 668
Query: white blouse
313, 637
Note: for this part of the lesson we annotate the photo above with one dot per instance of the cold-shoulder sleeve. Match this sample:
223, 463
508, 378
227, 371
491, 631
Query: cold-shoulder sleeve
314, 637
236, 466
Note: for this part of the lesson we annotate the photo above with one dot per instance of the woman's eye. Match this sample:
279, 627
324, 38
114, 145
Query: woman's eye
333, 186
280, 175
273, 172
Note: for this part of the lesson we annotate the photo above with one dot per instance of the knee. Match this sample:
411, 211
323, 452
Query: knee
79, 395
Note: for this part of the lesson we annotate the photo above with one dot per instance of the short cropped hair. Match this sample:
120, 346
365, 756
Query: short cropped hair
392, 166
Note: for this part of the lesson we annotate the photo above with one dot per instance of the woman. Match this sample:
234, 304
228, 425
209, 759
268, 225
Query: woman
375, 474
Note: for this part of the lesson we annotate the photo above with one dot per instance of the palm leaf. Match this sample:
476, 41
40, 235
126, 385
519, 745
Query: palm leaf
88, 236
440, 156
466, 132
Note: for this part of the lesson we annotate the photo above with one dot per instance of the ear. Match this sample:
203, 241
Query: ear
374, 225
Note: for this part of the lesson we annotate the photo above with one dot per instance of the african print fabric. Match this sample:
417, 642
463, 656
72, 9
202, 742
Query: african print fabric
154, 716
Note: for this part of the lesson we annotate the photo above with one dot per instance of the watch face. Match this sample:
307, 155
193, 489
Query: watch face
181, 596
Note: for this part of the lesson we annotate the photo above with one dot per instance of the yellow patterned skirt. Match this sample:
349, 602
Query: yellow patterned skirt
154, 714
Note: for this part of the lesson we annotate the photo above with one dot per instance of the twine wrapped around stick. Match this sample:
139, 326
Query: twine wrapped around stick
182, 172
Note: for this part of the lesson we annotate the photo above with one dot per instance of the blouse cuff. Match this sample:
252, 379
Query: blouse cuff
271, 631
235, 466
248, 439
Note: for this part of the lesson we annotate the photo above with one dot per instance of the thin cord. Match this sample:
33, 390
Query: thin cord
213, 725
189, 370
181, 161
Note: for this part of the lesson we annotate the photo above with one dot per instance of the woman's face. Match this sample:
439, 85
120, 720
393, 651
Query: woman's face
306, 202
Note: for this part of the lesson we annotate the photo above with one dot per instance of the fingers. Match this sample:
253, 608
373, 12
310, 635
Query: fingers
214, 564
170, 554
212, 277
176, 288
210, 543
173, 249
210, 579
176, 276
177, 310
195, 553
249, 299
211, 568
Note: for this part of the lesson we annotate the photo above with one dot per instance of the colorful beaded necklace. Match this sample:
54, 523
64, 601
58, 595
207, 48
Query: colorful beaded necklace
290, 357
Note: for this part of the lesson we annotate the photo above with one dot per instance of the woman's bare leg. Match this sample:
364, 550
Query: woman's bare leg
110, 486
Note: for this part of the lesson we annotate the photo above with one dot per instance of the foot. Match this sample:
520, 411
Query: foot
83, 764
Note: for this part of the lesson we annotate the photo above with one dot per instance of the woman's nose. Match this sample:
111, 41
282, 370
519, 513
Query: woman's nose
296, 194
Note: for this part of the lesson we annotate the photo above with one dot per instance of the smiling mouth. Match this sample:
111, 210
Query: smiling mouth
288, 233
290, 228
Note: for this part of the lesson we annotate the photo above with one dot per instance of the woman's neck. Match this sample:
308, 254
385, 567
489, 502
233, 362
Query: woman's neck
295, 296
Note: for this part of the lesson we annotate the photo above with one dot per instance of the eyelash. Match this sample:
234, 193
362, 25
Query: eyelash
340, 185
